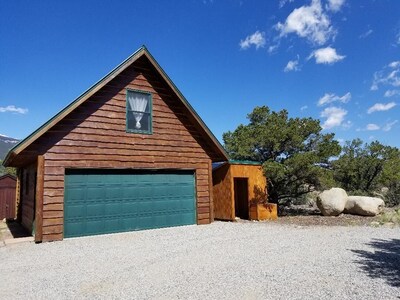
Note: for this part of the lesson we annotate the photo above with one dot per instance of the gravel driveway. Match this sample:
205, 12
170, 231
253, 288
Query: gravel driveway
221, 260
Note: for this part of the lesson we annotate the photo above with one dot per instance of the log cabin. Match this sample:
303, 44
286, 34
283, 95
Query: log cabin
130, 153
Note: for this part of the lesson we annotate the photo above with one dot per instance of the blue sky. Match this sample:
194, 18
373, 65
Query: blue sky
335, 60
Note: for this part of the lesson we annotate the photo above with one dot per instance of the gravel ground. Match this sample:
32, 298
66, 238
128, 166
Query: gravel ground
254, 260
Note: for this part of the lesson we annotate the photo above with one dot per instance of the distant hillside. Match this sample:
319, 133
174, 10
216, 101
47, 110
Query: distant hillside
6, 143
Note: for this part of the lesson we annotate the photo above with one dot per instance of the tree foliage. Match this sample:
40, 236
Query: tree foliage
4, 170
294, 152
369, 168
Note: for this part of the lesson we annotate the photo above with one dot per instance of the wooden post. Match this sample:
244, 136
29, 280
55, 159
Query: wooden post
210, 179
17, 196
39, 199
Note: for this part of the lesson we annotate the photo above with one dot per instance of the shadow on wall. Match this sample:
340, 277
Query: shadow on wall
260, 196
383, 261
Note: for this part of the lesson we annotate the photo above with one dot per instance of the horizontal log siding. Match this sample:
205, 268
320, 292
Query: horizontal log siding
94, 136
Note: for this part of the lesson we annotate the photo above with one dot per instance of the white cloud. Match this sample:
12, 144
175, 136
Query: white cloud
282, 3
13, 109
389, 75
335, 5
326, 55
292, 65
272, 48
329, 98
257, 39
371, 127
391, 93
381, 107
303, 107
308, 22
366, 34
394, 64
341, 141
388, 126
334, 117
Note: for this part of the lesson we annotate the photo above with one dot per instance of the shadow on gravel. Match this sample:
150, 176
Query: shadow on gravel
383, 262
298, 210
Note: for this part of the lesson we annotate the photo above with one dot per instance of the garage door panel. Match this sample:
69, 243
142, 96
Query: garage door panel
107, 203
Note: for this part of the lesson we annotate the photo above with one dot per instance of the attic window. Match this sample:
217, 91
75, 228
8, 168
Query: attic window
138, 112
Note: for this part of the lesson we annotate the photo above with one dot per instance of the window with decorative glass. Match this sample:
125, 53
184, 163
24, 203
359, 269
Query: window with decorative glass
138, 112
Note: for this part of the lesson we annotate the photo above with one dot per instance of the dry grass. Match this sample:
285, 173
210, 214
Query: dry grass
390, 216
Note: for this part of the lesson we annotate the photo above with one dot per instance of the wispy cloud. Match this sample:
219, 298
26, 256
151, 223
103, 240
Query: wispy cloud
366, 34
335, 5
389, 76
303, 107
394, 64
391, 93
326, 55
257, 39
273, 48
309, 22
329, 98
372, 127
292, 65
381, 107
282, 3
13, 109
334, 117
388, 126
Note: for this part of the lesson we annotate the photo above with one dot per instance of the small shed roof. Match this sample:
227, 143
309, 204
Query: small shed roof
8, 176
217, 165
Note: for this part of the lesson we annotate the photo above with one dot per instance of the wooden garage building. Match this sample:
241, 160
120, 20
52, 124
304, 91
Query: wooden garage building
237, 187
130, 153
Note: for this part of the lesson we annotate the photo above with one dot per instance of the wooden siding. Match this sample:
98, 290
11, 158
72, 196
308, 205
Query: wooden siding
224, 207
7, 197
27, 196
256, 180
223, 187
94, 136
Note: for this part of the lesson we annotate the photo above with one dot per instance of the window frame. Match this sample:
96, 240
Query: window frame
139, 131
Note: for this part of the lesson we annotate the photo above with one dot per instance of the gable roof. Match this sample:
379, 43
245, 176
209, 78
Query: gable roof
142, 51
8, 176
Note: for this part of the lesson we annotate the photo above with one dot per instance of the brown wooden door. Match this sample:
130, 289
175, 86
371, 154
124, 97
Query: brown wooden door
241, 198
7, 197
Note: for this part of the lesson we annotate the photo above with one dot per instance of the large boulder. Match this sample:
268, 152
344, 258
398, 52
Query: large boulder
332, 202
364, 206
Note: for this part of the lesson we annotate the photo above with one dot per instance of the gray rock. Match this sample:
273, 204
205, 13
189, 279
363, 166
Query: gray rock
332, 202
364, 206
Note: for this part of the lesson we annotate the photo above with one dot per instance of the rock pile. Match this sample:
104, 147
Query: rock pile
335, 201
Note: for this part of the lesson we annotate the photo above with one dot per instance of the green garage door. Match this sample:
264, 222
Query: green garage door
98, 202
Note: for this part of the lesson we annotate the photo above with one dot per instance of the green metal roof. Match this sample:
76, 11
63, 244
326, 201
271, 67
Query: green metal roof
244, 162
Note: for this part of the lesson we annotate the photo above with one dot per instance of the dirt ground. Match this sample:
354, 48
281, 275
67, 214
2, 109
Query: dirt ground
304, 215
